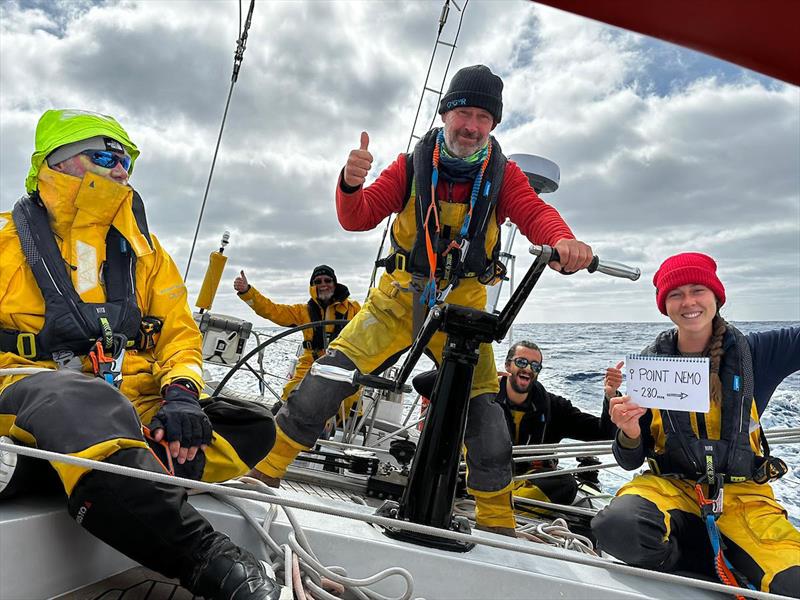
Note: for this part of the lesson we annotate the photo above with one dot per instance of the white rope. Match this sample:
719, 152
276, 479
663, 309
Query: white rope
287, 570
267, 495
298, 543
586, 512
353, 583
559, 534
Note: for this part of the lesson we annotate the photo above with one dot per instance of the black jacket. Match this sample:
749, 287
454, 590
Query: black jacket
549, 419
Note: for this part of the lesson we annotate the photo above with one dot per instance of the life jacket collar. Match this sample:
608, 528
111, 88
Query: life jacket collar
91, 201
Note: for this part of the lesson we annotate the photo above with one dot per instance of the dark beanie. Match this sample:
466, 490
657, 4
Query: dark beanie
322, 270
685, 269
475, 86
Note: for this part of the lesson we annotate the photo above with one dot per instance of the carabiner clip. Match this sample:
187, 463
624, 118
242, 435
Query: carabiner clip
109, 368
710, 505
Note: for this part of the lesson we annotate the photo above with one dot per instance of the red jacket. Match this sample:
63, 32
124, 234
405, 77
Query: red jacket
364, 208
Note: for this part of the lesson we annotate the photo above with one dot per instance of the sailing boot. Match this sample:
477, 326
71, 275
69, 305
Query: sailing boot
272, 469
507, 531
228, 572
494, 511
154, 524
273, 482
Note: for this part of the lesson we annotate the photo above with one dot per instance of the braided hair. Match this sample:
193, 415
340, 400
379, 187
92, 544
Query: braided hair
718, 328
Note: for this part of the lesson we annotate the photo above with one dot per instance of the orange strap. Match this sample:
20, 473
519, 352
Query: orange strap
725, 575
432, 256
169, 467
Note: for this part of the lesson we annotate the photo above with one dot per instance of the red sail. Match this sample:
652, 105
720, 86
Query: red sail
759, 35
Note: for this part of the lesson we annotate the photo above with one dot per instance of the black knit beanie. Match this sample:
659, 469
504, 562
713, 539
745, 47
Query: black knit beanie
475, 86
322, 270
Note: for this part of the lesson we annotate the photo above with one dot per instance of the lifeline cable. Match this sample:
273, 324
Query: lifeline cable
238, 57
267, 495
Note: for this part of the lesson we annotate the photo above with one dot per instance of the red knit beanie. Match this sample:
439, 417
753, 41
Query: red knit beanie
684, 269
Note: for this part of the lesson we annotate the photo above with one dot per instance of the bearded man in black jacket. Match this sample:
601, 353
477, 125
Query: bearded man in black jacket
536, 416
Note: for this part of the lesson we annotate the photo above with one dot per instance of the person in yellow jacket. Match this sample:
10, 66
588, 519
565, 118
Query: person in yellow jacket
330, 300
98, 341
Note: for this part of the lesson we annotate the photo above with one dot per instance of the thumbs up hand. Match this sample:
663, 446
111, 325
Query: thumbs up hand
358, 163
613, 380
240, 284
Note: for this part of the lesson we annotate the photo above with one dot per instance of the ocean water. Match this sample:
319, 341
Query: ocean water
575, 356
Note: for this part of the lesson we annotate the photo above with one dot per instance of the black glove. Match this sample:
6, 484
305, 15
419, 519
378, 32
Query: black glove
181, 417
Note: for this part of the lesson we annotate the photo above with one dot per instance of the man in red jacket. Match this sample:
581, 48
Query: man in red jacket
442, 247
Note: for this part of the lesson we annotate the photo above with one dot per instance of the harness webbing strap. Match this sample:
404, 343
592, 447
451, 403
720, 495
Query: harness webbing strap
710, 510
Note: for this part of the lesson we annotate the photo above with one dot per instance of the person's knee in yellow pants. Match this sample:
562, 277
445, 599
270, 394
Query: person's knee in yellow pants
655, 523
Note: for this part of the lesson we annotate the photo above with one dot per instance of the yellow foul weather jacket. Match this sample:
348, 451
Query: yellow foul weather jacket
81, 211
292, 315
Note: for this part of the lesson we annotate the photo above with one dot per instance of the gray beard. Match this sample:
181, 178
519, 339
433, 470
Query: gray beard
325, 298
457, 149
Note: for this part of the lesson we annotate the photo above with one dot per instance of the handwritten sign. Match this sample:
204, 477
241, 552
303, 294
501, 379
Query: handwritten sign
669, 382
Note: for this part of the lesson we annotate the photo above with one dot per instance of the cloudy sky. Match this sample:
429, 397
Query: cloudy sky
661, 149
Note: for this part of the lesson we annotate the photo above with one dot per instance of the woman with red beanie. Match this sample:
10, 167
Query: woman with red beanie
665, 519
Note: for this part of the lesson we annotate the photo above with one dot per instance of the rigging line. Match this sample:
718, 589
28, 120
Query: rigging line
262, 380
557, 455
238, 56
544, 474
449, 60
442, 22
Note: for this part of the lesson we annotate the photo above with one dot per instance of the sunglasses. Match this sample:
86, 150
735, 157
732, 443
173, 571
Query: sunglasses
108, 159
524, 362
322, 280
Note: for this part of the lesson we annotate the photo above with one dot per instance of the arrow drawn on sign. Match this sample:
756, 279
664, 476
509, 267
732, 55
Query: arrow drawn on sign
680, 396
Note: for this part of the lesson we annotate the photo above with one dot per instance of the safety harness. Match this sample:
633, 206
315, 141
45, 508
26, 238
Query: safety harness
439, 253
72, 327
716, 462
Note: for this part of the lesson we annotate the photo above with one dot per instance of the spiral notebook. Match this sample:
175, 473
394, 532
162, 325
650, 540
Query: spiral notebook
669, 382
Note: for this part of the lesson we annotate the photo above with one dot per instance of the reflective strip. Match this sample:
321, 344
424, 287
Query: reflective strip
86, 275
108, 333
